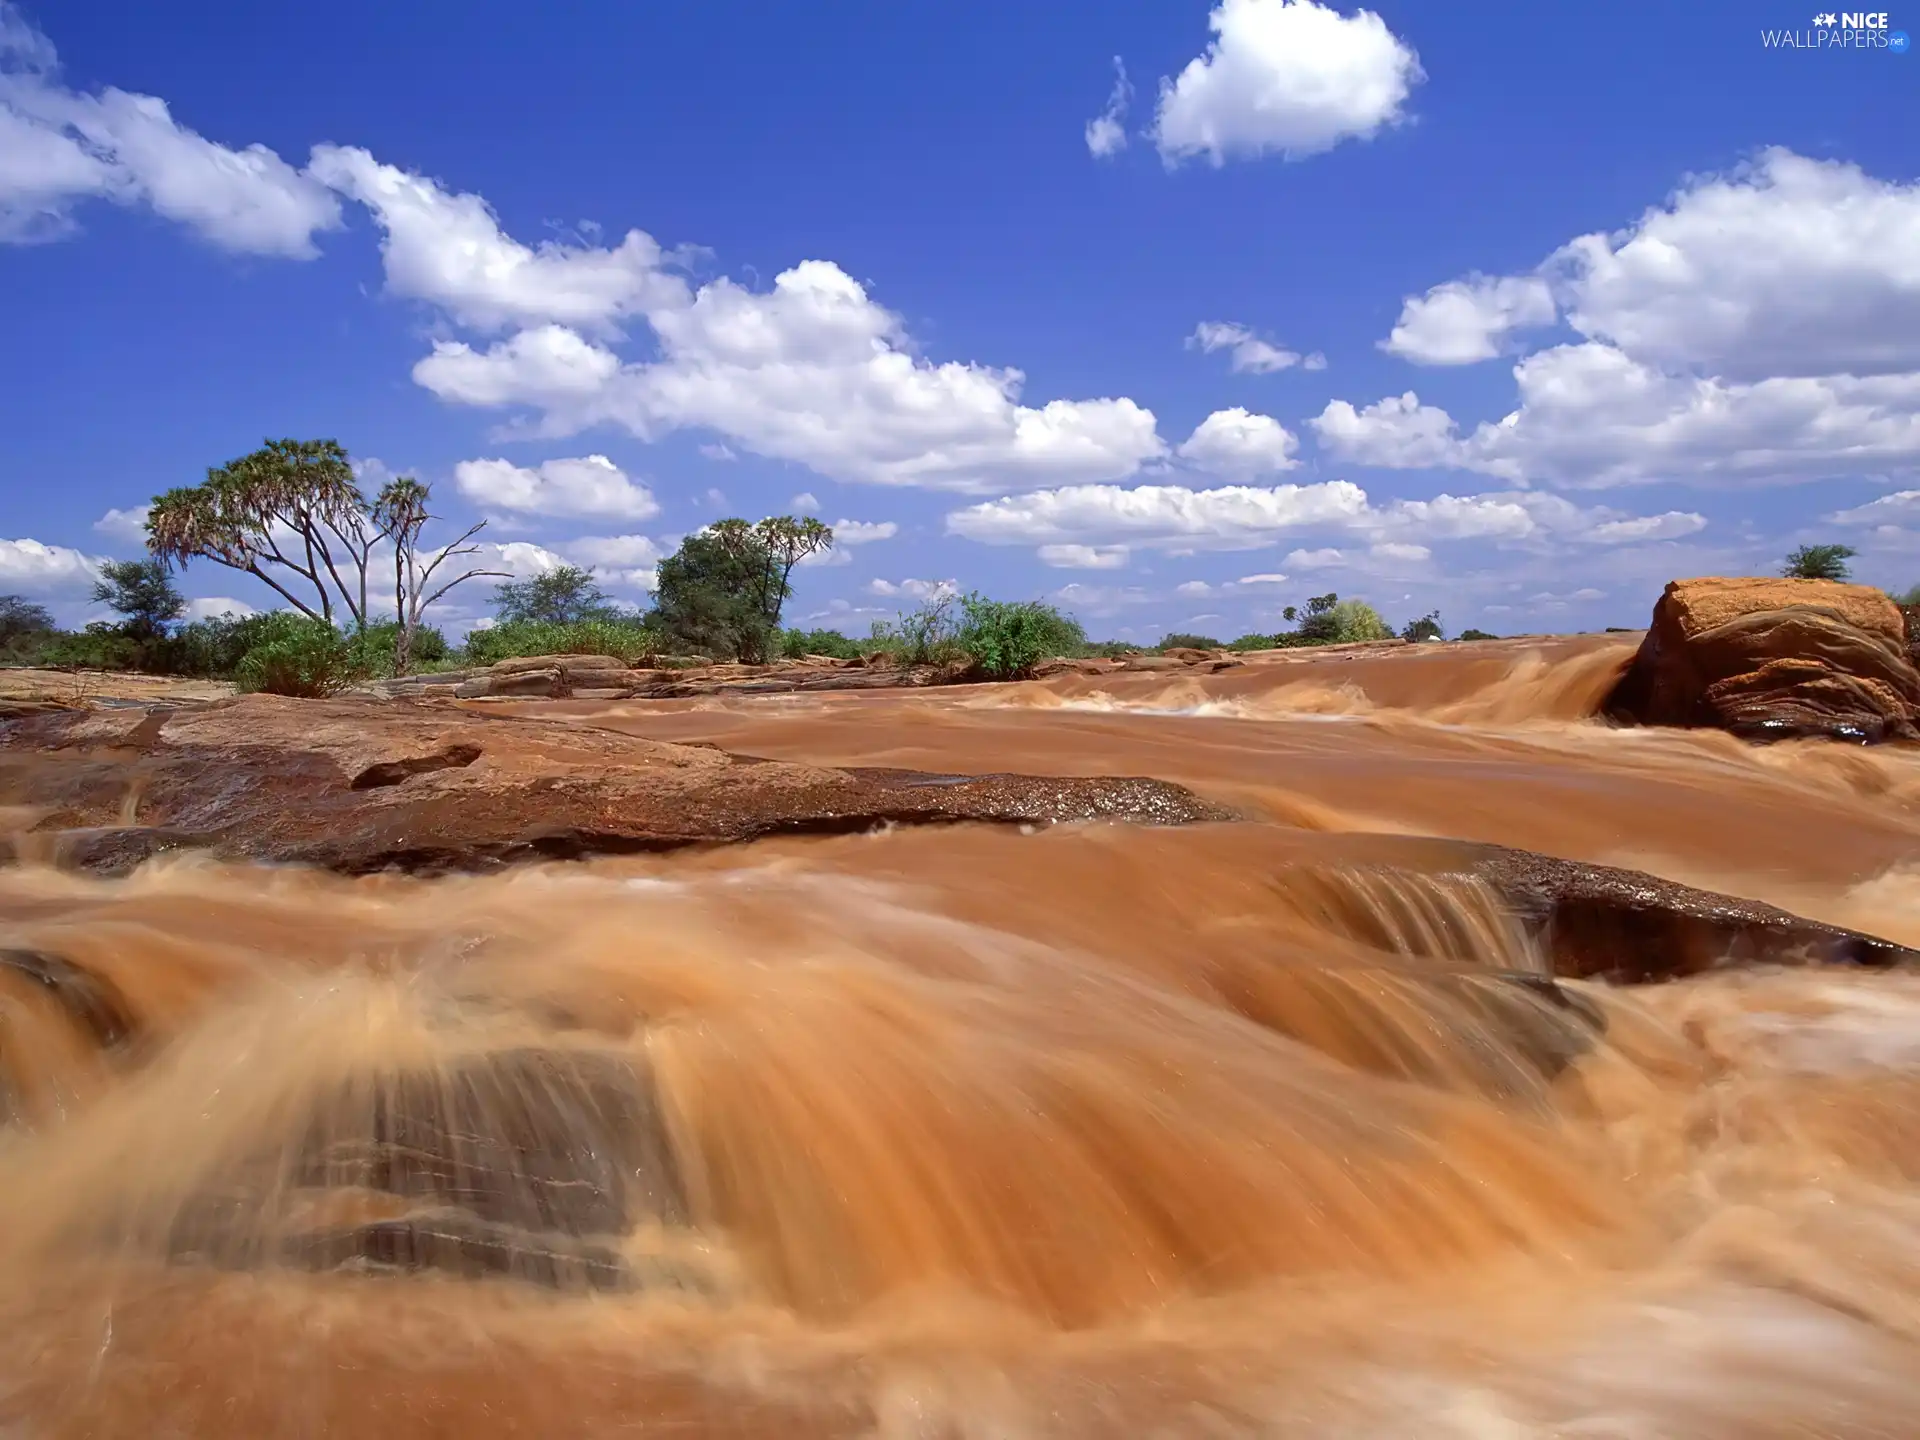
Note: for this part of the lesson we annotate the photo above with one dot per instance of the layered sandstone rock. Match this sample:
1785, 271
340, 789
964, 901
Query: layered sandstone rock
550, 677
1773, 659
359, 785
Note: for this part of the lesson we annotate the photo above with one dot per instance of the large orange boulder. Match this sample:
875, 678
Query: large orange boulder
1774, 659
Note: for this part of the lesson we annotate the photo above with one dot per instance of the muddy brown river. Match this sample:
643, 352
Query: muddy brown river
1099, 1130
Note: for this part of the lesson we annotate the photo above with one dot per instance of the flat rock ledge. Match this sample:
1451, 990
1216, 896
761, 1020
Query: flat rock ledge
360, 786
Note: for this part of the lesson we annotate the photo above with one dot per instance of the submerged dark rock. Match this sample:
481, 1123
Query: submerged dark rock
1629, 927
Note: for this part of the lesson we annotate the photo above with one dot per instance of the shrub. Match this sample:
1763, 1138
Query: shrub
796, 644
213, 648
625, 639
1006, 639
1819, 562
927, 636
1355, 620
1477, 635
374, 647
295, 655
98, 647
1181, 641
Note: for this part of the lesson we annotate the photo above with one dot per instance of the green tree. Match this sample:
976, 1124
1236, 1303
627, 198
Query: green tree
564, 595
1289, 614
706, 599
142, 594
22, 620
1427, 627
721, 593
1819, 562
1320, 626
767, 553
289, 514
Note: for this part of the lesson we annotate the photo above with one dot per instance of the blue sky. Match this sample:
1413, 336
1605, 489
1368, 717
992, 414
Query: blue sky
1513, 312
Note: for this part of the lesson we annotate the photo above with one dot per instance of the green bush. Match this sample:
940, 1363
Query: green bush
624, 639
1181, 641
294, 655
1355, 620
1007, 638
796, 644
98, 647
1476, 635
213, 648
927, 636
373, 649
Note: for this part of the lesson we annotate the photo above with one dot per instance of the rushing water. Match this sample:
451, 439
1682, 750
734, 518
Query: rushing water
1099, 1131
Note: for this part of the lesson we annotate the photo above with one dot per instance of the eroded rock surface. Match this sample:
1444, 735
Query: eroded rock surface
1774, 659
365, 785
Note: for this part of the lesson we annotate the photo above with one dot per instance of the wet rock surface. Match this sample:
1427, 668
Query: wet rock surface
1577, 920
1595, 921
525, 1164
1773, 660
359, 786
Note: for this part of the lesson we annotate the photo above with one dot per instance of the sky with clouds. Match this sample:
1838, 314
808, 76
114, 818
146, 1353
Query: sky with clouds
1174, 314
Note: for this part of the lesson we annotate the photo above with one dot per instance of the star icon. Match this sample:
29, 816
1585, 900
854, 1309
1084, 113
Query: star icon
1826, 18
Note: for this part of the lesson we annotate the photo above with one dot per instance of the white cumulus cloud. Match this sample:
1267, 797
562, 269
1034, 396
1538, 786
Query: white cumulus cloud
1467, 320
913, 589
450, 251
128, 526
1248, 353
28, 567
549, 367
863, 532
1239, 517
1760, 325
1084, 557
811, 371
1236, 517
59, 147
1590, 415
591, 485
213, 607
1237, 442
615, 551
1286, 77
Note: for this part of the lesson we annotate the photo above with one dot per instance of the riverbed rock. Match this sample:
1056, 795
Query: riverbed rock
363, 785
547, 677
1578, 920
1628, 927
1773, 659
